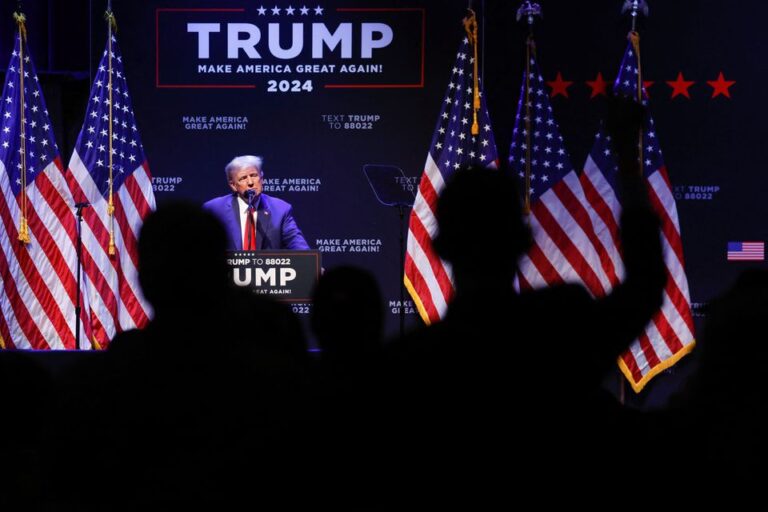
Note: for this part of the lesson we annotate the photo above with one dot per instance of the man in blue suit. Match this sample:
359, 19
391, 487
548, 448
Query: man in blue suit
273, 219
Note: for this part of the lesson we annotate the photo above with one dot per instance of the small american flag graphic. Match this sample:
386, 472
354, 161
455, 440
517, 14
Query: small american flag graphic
746, 251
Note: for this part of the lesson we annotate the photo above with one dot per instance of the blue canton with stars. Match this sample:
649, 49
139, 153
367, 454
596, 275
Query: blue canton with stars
549, 160
453, 145
39, 147
93, 142
602, 153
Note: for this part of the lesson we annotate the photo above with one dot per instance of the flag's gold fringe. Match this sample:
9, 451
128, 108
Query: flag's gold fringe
95, 344
638, 386
2, 343
419, 306
24, 230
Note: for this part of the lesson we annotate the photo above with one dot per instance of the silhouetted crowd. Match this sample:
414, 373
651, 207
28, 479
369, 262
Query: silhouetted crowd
218, 405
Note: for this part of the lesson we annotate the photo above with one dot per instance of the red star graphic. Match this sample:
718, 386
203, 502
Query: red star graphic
559, 86
680, 86
721, 86
647, 85
599, 86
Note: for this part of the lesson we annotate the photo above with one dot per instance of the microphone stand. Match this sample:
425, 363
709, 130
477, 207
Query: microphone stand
388, 185
79, 248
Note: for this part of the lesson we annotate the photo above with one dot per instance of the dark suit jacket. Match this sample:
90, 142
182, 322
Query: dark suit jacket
275, 225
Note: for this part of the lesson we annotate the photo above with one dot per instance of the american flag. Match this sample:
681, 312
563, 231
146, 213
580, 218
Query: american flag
746, 251
669, 336
427, 277
37, 278
113, 300
564, 242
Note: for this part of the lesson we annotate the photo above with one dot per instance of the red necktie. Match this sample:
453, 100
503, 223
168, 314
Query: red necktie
249, 244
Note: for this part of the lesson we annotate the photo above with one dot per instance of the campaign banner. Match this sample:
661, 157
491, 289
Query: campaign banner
285, 276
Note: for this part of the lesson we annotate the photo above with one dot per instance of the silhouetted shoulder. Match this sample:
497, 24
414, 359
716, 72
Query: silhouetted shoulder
130, 346
565, 297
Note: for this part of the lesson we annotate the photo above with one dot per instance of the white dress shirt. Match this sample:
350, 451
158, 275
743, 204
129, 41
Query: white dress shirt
243, 206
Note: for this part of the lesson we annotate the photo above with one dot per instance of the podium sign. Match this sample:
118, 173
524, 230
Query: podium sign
285, 276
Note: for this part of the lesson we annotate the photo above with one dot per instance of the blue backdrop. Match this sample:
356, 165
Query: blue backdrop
320, 89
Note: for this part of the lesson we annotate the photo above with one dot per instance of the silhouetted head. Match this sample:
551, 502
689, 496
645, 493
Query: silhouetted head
480, 226
729, 393
182, 264
733, 352
347, 311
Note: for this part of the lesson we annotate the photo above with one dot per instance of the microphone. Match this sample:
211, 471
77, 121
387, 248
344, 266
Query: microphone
84, 204
251, 195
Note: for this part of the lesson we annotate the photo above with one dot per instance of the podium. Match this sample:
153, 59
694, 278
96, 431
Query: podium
284, 276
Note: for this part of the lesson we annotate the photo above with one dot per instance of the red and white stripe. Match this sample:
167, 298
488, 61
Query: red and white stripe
564, 242
427, 277
669, 335
37, 310
113, 297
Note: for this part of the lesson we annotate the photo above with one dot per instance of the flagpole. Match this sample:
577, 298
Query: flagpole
635, 8
529, 11
470, 25
90, 41
20, 19
111, 24
481, 75
482, 43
